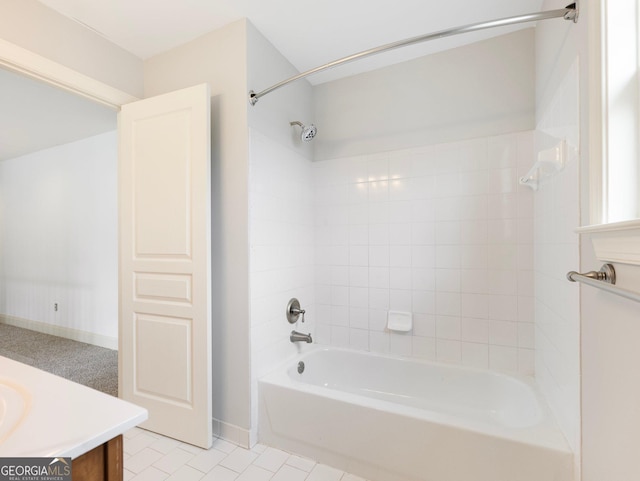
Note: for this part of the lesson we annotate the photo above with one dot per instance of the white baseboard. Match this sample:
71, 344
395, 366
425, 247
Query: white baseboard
66, 332
232, 433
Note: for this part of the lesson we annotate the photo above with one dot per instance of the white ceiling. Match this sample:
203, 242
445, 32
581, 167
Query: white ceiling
307, 33
36, 116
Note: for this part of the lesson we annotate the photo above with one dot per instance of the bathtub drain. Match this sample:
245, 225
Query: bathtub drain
300, 367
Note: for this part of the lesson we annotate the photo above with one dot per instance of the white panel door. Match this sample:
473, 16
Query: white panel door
165, 268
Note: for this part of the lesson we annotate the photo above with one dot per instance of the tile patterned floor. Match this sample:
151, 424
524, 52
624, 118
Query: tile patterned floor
152, 457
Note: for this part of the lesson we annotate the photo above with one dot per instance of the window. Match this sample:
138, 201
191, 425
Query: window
614, 78
620, 111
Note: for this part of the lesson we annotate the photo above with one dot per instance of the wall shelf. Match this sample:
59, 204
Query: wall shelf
549, 162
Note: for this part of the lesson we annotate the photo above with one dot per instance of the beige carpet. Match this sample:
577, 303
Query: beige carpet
86, 364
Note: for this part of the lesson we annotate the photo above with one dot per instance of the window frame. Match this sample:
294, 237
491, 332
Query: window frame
612, 241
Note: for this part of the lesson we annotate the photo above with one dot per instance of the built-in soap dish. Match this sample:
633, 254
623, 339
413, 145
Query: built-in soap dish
399, 321
549, 162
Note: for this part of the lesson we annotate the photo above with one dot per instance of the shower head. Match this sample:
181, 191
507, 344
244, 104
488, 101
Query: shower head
308, 132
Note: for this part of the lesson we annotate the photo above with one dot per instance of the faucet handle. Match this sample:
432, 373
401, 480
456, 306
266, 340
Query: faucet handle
301, 312
293, 311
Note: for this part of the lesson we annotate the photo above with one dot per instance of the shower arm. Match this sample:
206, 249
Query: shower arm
570, 12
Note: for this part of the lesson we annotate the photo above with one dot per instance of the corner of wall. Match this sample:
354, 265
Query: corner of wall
219, 58
274, 112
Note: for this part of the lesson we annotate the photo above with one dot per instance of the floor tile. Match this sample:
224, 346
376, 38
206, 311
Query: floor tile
254, 473
173, 460
322, 472
191, 448
206, 460
259, 448
352, 477
186, 473
299, 462
142, 460
150, 474
220, 473
289, 473
224, 446
164, 445
138, 443
271, 459
239, 460
152, 457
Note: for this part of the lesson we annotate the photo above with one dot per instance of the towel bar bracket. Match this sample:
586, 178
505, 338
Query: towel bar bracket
606, 274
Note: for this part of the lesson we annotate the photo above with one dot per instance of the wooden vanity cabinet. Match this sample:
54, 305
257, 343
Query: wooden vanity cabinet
103, 463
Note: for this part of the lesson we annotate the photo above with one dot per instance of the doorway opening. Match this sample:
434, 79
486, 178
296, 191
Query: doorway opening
58, 230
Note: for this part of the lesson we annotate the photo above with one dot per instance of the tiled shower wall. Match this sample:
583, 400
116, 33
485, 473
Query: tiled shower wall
442, 231
281, 250
557, 302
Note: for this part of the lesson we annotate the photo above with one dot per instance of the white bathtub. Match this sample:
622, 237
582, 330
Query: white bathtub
391, 419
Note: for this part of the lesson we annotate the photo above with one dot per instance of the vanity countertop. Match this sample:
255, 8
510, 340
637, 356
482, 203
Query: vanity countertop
43, 415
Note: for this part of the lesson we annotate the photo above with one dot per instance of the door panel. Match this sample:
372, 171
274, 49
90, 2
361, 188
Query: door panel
165, 274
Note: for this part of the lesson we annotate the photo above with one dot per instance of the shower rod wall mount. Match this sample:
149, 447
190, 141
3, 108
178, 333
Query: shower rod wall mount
570, 12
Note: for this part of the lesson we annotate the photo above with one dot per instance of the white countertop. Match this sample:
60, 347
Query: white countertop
42, 415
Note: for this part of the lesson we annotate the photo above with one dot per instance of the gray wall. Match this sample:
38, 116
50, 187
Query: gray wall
219, 58
478, 90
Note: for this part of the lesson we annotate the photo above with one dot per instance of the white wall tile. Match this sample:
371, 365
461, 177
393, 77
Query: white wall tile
400, 234
378, 256
400, 278
359, 297
359, 339
377, 319
379, 341
526, 335
400, 256
556, 310
423, 279
423, 302
378, 298
400, 300
448, 303
401, 344
448, 327
448, 257
379, 277
340, 336
502, 151
424, 347
358, 234
448, 351
339, 316
448, 280
359, 318
503, 358
440, 231
504, 308
378, 167
282, 265
474, 330
400, 165
474, 355
474, 305
503, 333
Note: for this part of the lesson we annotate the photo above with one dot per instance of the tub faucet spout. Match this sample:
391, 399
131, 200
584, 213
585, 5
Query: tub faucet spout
300, 337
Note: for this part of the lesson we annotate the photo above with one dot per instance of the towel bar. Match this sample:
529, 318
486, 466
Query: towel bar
604, 279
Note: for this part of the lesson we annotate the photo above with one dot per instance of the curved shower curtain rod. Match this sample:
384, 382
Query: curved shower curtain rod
570, 12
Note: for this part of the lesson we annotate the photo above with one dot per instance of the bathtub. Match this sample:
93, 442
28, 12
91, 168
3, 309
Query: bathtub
393, 419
